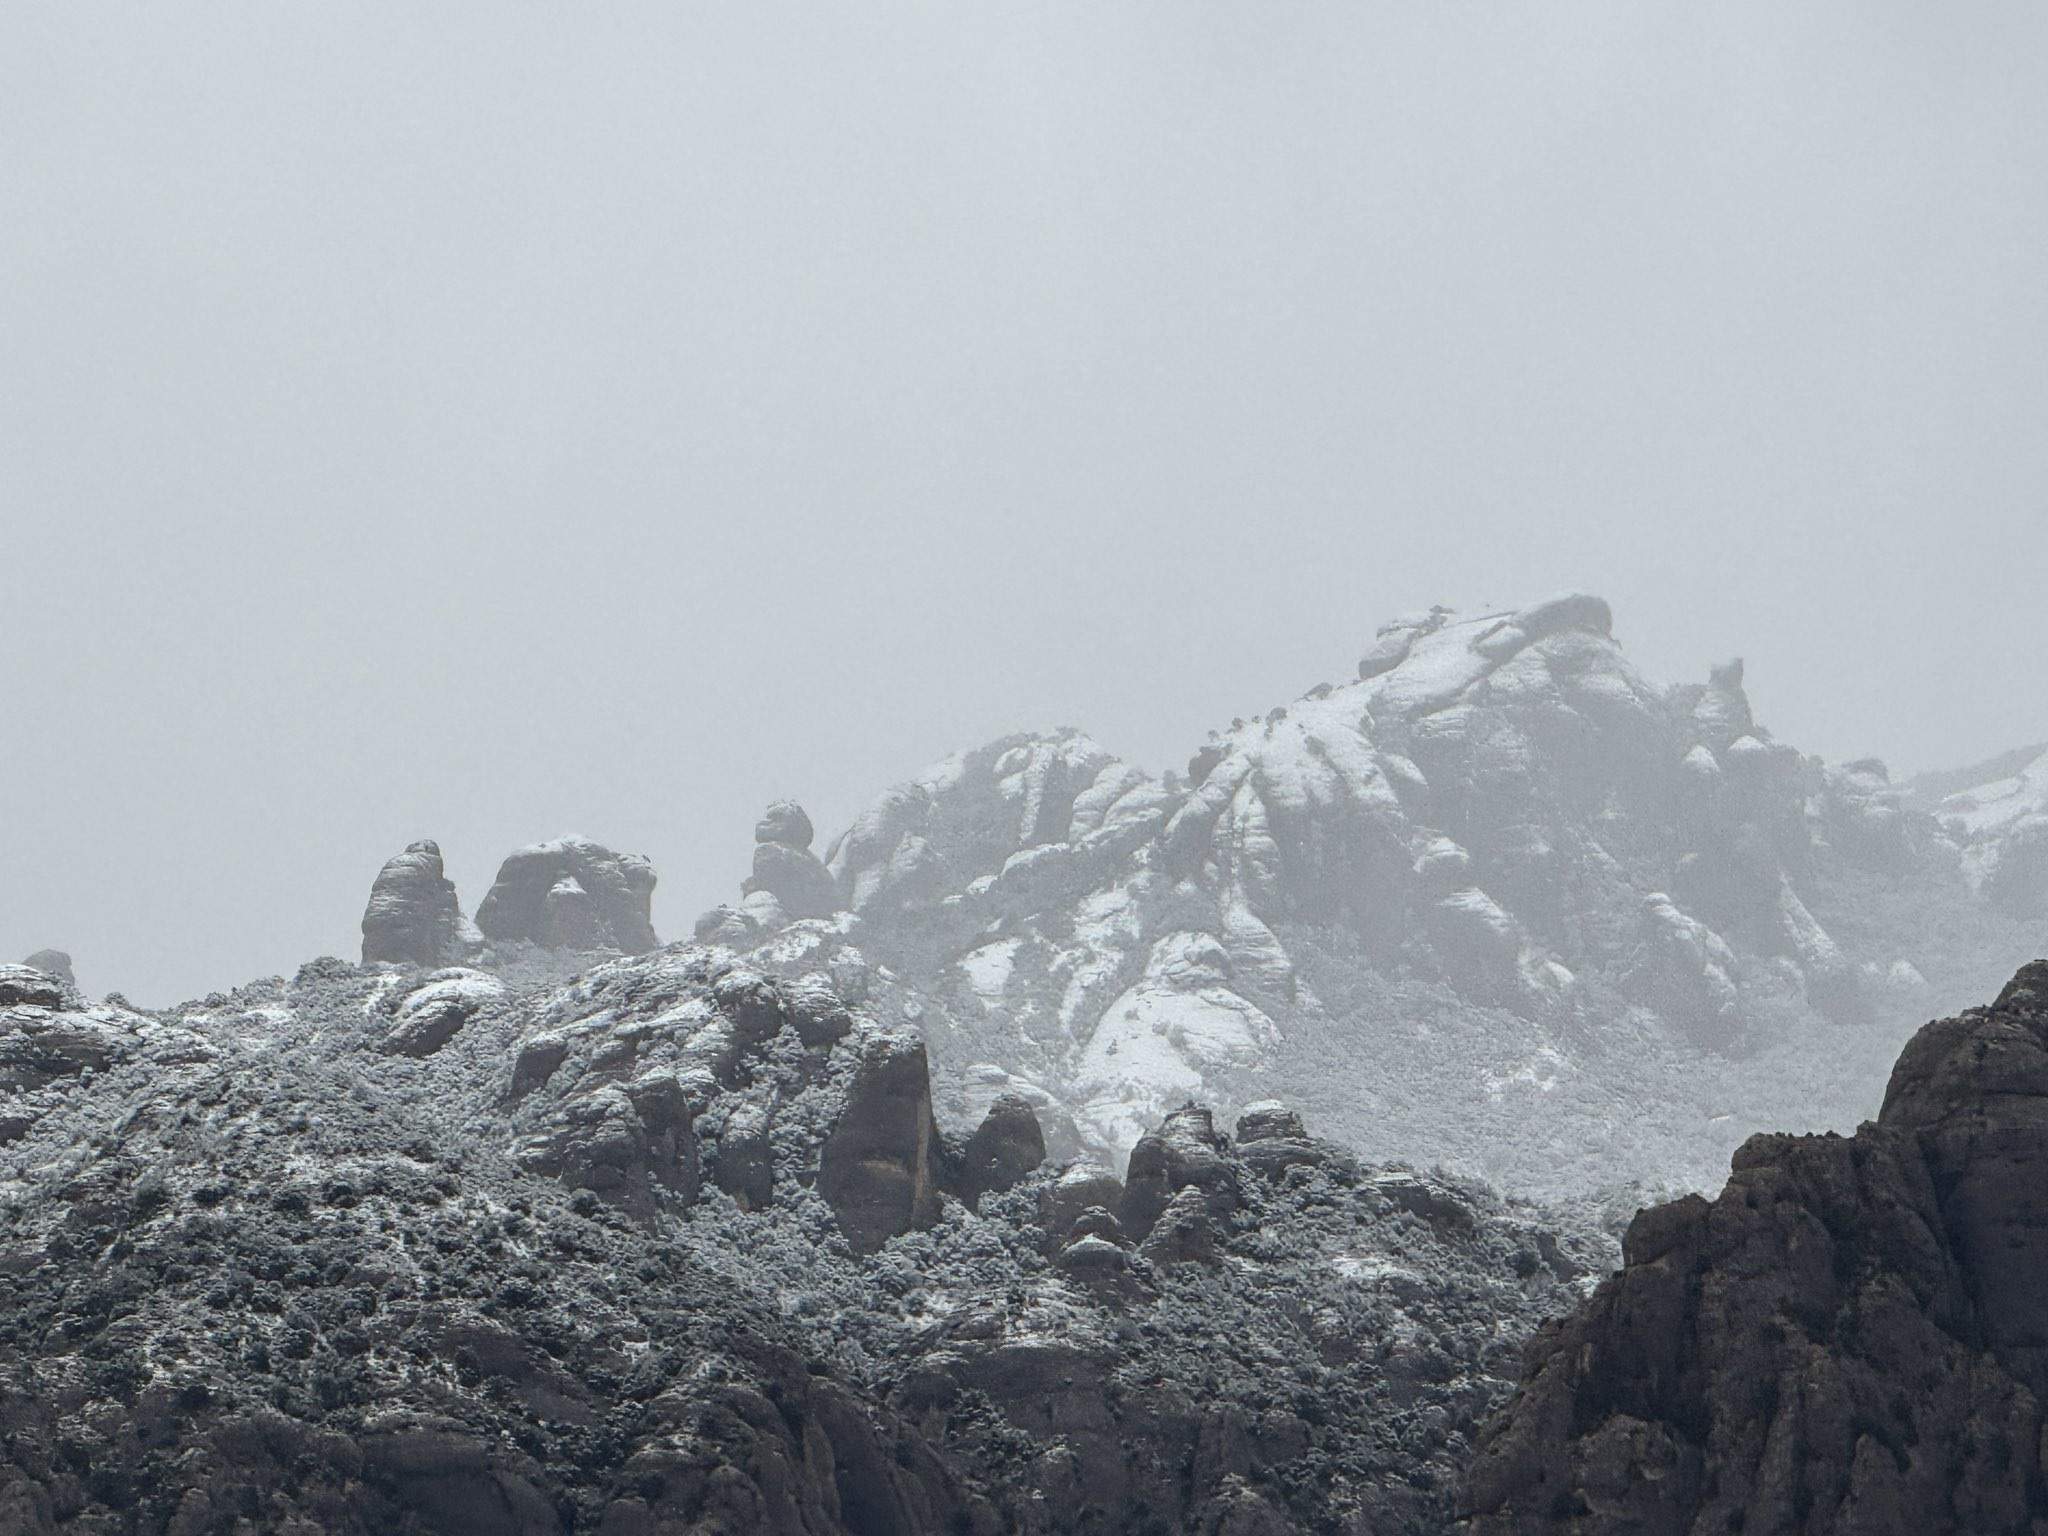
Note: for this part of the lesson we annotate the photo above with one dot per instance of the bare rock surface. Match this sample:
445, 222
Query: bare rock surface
571, 894
413, 916
1852, 1337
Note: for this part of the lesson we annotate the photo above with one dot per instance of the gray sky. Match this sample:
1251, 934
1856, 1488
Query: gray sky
488, 421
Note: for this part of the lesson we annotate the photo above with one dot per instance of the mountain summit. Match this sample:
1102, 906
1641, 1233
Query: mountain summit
1489, 901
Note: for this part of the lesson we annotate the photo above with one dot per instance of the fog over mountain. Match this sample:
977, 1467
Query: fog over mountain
472, 425
1159, 769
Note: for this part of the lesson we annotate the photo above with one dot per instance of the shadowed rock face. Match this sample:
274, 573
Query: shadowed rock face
1852, 1338
1006, 1145
571, 894
877, 1169
413, 917
1187, 1151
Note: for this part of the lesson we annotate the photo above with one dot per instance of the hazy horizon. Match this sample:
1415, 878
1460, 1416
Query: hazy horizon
466, 424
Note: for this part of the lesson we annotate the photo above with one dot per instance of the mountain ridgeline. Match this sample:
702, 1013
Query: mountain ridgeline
1498, 902
1069, 1150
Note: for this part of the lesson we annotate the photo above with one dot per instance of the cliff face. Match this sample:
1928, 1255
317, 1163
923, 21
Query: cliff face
1852, 1338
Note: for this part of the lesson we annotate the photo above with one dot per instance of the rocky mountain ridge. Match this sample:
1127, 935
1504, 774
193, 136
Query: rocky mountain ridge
1851, 1338
674, 1245
1500, 902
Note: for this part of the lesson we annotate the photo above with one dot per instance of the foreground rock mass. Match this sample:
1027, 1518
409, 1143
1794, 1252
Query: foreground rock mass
1852, 1338
679, 1246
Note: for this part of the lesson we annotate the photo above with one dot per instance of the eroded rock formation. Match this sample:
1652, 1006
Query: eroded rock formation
413, 916
1853, 1337
571, 894
1470, 896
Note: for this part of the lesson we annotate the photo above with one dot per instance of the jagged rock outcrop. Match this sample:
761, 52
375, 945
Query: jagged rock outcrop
571, 894
1080, 1187
53, 962
1852, 1337
1463, 905
413, 916
789, 883
879, 1168
429, 1016
29, 986
785, 867
1271, 1139
1007, 1145
1187, 1152
1184, 1233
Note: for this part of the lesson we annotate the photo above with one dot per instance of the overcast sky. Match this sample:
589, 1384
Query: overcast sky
489, 421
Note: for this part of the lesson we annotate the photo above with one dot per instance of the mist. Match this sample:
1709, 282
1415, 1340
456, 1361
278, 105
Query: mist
461, 424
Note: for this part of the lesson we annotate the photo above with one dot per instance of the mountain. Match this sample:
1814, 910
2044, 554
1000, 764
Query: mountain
673, 1246
1499, 901
1852, 1337
1997, 813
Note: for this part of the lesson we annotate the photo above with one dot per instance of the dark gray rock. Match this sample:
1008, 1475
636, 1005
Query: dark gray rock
744, 1166
1186, 1151
796, 878
1080, 1187
784, 822
1184, 1233
786, 870
877, 1169
1852, 1338
1006, 1146
413, 917
432, 1015
574, 894
1272, 1139
24, 986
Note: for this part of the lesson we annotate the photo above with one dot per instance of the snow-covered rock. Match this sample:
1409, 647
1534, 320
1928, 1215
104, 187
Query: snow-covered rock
413, 917
571, 894
2000, 824
1500, 819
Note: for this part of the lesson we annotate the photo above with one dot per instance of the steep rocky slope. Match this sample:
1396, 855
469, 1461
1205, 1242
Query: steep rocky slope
1852, 1338
673, 1245
1499, 901
1997, 813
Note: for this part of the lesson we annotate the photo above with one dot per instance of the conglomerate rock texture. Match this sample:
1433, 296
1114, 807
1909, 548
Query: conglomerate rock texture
1853, 1337
677, 1246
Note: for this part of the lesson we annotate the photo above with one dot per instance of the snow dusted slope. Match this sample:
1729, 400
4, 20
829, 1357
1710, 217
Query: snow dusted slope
1495, 901
2000, 823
